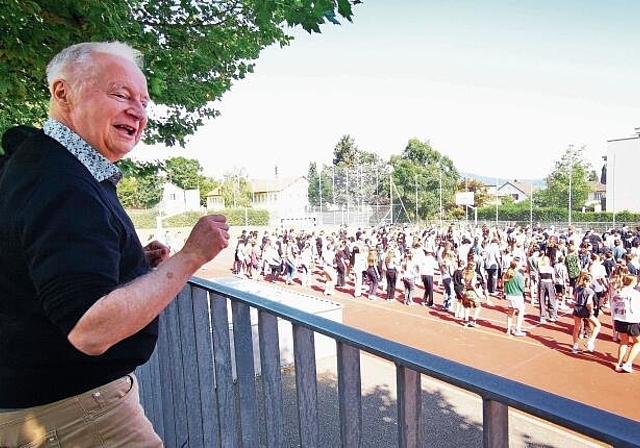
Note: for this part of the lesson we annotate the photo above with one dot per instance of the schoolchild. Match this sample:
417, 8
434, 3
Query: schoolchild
625, 311
584, 308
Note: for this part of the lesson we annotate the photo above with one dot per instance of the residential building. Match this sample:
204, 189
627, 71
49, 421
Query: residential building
596, 197
175, 200
286, 199
518, 190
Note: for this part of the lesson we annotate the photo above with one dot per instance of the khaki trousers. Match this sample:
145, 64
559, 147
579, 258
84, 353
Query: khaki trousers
107, 416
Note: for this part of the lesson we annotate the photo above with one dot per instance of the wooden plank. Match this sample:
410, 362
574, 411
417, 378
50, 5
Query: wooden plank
148, 376
223, 371
203, 343
495, 422
410, 431
269, 341
194, 429
245, 372
165, 346
349, 395
306, 386
176, 368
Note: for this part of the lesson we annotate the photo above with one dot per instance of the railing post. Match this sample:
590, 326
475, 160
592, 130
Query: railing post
410, 431
222, 363
306, 386
245, 372
495, 420
349, 395
271, 379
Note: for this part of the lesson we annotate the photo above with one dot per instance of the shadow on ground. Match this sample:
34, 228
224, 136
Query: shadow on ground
452, 418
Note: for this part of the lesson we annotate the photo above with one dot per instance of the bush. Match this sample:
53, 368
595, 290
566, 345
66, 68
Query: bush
146, 219
521, 213
143, 219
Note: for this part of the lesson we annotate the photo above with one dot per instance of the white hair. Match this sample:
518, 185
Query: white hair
79, 57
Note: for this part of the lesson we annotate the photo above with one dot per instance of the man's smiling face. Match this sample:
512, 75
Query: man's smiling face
107, 108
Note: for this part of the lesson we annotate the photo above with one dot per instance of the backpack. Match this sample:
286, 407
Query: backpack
458, 282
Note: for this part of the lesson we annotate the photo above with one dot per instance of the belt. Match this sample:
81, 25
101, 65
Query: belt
90, 401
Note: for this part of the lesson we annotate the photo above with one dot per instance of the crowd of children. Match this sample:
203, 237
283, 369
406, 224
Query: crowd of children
581, 273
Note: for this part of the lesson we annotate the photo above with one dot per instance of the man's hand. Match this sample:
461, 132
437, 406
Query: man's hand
156, 253
207, 238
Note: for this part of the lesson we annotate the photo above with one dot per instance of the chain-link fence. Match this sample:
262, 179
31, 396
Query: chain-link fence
363, 195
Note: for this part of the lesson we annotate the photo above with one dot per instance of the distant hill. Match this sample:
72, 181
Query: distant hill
492, 180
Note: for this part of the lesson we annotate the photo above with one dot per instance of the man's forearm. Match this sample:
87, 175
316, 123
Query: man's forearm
128, 309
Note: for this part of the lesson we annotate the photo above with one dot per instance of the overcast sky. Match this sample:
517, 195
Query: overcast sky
501, 87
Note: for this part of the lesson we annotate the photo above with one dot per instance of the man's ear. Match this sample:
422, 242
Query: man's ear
61, 93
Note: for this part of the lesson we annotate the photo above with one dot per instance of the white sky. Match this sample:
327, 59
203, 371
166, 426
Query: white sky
502, 87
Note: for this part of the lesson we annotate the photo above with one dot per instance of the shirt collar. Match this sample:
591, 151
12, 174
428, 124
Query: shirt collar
98, 165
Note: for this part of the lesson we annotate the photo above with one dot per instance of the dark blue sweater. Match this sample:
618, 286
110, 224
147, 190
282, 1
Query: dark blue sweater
65, 242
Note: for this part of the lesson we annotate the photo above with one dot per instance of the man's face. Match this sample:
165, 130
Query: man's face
108, 109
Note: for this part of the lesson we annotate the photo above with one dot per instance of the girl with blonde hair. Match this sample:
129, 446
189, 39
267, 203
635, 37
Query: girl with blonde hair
472, 295
584, 308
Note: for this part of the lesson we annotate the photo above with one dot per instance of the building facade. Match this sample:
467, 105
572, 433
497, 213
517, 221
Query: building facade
286, 199
623, 159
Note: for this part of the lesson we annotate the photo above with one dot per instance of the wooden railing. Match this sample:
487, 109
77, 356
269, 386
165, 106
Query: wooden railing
200, 387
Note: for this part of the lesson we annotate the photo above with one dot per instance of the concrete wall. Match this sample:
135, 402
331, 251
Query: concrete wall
623, 162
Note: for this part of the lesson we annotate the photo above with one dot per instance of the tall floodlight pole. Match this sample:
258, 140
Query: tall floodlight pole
440, 190
531, 205
611, 177
416, 182
346, 170
570, 178
391, 194
235, 182
333, 192
320, 193
466, 209
496, 198
377, 192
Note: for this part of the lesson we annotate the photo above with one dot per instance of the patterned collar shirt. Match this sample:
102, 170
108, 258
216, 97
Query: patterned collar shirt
98, 165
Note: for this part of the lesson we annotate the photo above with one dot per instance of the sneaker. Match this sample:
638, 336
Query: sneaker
519, 333
618, 369
552, 319
543, 321
575, 349
591, 346
472, 324
627, 368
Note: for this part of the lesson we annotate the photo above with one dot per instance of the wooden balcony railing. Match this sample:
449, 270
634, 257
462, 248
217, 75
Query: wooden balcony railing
204, 388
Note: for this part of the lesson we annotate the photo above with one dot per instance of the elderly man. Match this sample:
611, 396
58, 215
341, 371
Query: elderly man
79, 299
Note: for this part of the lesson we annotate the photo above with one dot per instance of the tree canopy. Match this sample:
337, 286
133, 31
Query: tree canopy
568, 182
425, 180
194, 49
